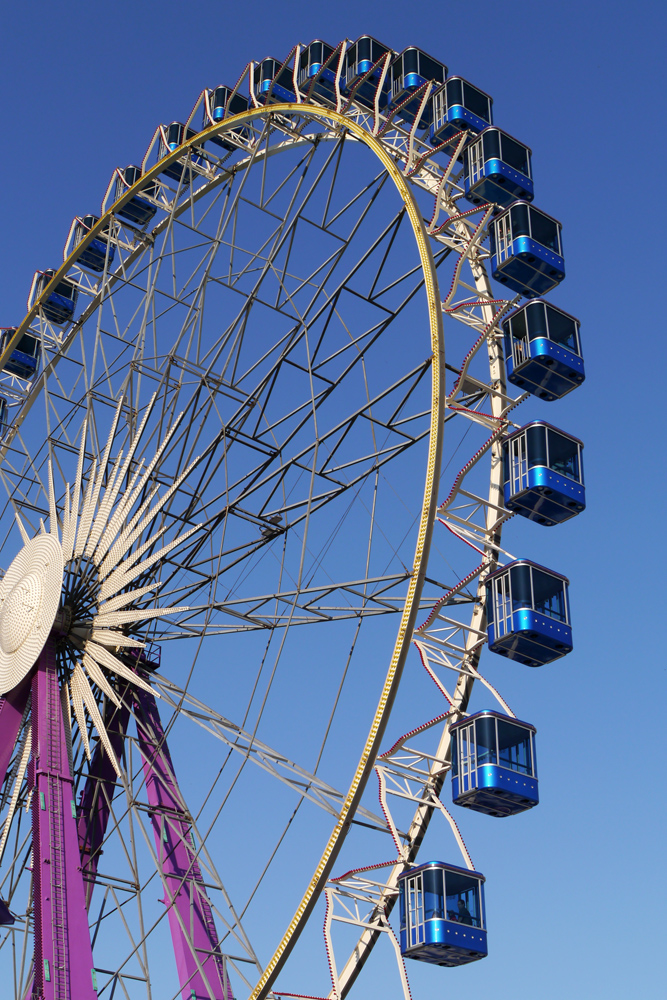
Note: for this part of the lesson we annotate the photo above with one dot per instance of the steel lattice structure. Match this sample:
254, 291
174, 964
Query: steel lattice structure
244, 431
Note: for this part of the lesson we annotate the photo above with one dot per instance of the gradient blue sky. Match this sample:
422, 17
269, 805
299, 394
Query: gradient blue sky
578, 888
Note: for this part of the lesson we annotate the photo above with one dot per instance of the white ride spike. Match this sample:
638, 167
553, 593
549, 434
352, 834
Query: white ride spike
76, 491
118, 548
138, 490
93, 711
118, 517
120, 579
24, 533
101, 519
115, 618
102, 470
77, 705
107, 637
111, 662
86, 513
53, 513
18, 781
96, 675
67, 527
114, 525
129, 536
132, 595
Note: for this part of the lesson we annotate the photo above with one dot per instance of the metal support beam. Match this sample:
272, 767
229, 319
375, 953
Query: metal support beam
201, 967
63, 967
12, 707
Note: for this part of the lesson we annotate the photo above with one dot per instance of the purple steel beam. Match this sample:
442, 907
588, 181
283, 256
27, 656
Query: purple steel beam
201, 967
12, 707
63, 955
97, 795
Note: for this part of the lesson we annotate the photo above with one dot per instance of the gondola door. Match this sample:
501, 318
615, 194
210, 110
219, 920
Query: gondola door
467, 758
415, 909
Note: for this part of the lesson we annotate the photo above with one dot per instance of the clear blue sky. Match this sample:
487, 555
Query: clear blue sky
576, 890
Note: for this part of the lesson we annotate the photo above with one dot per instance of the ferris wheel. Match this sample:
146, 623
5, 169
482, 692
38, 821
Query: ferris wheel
250, 508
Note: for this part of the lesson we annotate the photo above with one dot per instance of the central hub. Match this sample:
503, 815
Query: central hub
19, 611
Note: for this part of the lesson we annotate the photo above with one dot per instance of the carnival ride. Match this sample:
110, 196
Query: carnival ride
227, 422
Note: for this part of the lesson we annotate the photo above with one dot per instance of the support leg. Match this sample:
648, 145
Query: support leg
63, 955
201, 967
12, 707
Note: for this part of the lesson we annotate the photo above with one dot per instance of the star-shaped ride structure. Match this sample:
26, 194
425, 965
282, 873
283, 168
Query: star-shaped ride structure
77, 579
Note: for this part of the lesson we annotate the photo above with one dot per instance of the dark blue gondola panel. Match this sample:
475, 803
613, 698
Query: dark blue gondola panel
98, 250
171, 137
407, 73
3, 415
273, 84
224, 103
526, 250
544, 473
442, 914
360, 59
60, 305
311, 60
137, 210
6, 916
459, 106
497, 168
528, 614
543, 350
493, 764
22, 361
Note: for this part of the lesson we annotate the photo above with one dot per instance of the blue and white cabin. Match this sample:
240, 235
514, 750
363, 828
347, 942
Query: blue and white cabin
544, 473
99, 251
526, 250
408, 72
361, 58
528, 615
271, 83
60, 305
459, 106
137, 210
497, 169
543, 350
23, 360
493, 764
311, 60
442, 914
222, 103
171, 137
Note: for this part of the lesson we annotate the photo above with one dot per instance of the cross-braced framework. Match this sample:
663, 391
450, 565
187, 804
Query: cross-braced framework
242, 432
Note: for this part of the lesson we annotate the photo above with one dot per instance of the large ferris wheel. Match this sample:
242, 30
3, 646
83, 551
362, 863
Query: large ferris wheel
250, 509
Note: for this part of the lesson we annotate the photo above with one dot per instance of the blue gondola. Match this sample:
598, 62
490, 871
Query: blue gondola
137, 210
311, 60
223, 103
6, 917
3, 415
360, 59
271, 83
493, 764
526, 250
544, 473
171, 137
60, 305
497, 168
98, 250
543, 350
458, 106
22, 361
528, 614
442, 914
408, 72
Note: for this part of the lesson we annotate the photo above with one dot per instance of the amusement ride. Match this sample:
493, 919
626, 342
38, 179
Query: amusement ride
236, 547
